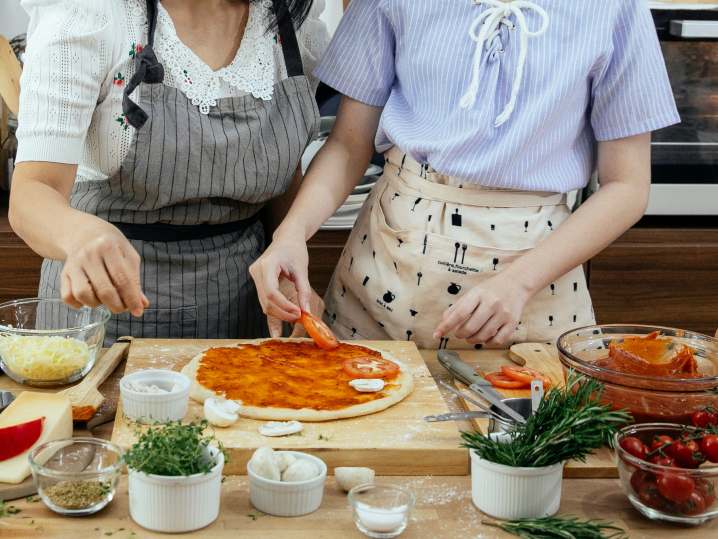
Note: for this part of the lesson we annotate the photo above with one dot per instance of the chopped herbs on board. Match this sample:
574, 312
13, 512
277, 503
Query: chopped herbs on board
558, 527
172, 449
7, 510
569, 424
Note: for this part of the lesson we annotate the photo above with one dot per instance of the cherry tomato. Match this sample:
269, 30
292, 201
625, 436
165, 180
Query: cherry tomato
675, 486
319, 331
649, 495
639, 477
694, 505
702, 418
370, 367
687, 455
709, 447
526, 375
634, 447
706, 490
663, 461
662, 441
500, 380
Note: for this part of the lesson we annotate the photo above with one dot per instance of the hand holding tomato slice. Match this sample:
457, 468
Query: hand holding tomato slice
370, 367
319, 331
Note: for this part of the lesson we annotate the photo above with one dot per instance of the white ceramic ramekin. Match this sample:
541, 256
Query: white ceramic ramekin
287, 499
156, 407
176, 504
507, 492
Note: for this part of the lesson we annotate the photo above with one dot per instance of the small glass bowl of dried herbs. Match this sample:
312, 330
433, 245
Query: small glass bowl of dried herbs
77, 476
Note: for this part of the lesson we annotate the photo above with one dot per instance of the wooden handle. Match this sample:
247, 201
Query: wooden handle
102, 369
527, 352
10, 71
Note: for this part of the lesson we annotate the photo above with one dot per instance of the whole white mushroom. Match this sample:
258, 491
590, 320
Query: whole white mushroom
348, 478
300, 470
284, 460
264, 464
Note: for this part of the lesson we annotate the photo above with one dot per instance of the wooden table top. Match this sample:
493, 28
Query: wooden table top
443, 504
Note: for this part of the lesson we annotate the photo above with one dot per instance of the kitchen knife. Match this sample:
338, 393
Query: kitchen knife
451, 361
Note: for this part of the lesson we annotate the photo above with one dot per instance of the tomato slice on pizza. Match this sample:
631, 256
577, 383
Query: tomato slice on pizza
370, 367
319, 331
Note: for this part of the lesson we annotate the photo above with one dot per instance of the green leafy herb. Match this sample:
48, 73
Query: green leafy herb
172, 449
558, 527
257, 515
7, 510
224, 478
569, 424
39, 528
293, 434
326, 438
32, 499
108, 533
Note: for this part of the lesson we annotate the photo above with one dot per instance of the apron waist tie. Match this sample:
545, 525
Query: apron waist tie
162, 232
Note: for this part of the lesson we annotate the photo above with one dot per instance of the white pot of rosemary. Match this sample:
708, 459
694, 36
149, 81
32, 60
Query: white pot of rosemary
175, 477
522, 478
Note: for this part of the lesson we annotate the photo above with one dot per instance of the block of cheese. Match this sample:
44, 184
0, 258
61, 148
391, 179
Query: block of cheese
26, 407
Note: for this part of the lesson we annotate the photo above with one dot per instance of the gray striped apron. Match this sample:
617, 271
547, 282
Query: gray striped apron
188, 193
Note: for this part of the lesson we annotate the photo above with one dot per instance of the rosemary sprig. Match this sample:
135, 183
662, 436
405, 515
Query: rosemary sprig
557, 527
569, 424
172, 448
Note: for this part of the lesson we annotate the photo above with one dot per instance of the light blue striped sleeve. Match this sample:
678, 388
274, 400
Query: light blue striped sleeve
632, 93
359, 61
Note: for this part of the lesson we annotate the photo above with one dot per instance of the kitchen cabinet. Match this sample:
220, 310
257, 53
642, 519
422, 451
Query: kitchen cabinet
658, 276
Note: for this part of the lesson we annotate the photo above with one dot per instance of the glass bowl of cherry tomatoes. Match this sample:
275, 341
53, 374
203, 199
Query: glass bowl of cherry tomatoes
670, 471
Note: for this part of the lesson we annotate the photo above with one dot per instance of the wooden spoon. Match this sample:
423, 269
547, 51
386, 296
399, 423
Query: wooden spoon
85, 397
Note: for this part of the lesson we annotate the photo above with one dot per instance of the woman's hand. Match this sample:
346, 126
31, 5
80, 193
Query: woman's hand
102, 267
285, 258
488, 313
316, 304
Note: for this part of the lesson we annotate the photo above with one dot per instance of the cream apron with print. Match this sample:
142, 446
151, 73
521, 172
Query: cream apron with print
422, 240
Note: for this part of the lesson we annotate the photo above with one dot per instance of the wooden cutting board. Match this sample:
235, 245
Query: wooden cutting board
395, 441
601, 464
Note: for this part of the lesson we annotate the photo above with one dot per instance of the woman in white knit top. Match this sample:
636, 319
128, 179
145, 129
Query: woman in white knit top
145, 194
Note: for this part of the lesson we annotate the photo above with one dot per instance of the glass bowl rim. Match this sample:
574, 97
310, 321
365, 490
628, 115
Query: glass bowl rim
105, 317
353, 501
657, 468
692, 384
41, 468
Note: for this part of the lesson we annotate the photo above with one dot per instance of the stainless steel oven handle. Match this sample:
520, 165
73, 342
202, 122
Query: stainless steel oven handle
694, 29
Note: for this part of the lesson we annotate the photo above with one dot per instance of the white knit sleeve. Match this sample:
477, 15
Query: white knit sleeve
313, 38
67, 59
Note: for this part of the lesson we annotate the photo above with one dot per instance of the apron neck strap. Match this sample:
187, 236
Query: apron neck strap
147, 70
290, 47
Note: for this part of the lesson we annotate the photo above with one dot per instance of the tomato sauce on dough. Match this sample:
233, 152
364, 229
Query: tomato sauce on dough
292, 375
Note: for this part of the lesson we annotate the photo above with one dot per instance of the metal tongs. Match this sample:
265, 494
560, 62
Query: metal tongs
487, 412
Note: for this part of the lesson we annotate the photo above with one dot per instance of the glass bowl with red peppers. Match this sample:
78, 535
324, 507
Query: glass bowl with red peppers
659, 374
670, 471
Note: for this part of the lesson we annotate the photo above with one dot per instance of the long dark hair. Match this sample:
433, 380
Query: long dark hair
297, 11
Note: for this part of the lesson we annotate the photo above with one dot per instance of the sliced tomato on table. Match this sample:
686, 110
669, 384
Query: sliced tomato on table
500, 380
526, 375
370, 367
319, 331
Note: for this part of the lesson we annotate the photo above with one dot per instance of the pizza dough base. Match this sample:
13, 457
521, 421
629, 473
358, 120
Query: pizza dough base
393, 395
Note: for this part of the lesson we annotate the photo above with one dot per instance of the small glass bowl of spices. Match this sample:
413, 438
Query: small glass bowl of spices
77, 476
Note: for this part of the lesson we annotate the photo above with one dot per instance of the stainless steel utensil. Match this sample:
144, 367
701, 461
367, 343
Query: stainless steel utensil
489, 396
536, 394
5, 399
472, 401
451, 361
521, 405
456, 417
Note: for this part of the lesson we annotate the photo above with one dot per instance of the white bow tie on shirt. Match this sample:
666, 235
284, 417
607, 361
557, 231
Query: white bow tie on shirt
493, 18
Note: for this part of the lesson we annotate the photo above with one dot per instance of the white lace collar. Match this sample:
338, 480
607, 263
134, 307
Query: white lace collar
252, 69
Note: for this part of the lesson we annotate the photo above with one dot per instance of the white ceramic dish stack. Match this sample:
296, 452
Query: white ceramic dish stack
508, 492
288, 499
156, 407
176, 504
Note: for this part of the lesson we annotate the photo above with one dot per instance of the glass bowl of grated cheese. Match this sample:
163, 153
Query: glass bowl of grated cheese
45, 343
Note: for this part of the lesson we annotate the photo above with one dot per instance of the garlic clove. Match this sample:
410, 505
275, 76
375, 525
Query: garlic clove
368, 385
264, 464
280, 428
284, 460
348, 478
300, 470
217, 415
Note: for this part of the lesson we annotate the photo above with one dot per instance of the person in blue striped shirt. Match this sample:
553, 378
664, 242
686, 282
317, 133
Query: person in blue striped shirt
489, 113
